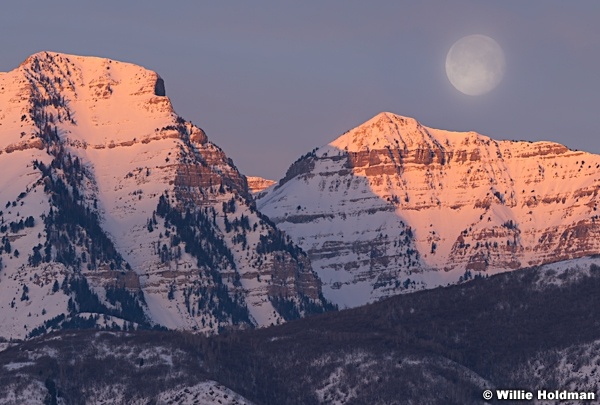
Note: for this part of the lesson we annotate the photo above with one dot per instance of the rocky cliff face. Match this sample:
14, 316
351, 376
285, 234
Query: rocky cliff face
119, 212
393, 206
258, 184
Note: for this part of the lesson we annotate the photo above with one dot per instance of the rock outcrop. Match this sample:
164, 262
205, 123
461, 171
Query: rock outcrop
258, 184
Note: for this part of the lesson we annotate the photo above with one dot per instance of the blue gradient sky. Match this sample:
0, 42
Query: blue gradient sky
269, 81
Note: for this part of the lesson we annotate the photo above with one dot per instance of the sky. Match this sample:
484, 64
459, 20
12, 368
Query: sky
270, 80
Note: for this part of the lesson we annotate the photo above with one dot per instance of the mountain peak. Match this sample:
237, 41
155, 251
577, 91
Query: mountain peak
384, 130
390, 117
93, 100
257, 184
83, 69
84, 61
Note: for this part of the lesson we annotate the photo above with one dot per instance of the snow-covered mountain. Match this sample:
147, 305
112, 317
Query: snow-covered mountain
394, 206
116, 211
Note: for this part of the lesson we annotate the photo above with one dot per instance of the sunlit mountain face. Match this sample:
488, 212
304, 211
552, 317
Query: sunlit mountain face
120, 213
394, 206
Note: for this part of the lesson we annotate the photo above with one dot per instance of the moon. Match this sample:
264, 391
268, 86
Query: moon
475, 65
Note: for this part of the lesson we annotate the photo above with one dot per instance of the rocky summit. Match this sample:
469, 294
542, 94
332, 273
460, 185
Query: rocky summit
258, 184
394, 206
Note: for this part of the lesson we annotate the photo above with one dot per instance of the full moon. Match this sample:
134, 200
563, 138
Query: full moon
475, 65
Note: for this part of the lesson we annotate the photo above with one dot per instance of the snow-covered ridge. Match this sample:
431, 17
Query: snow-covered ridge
393, 205
127, 195
386, 130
